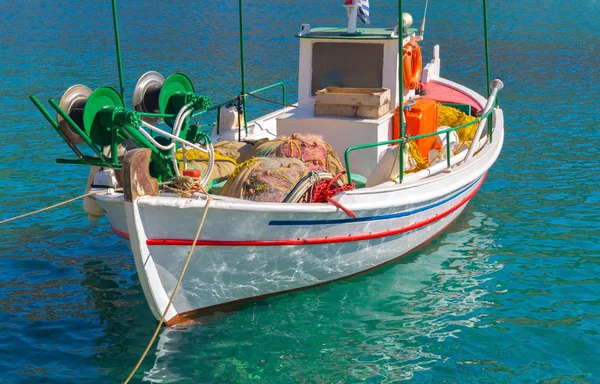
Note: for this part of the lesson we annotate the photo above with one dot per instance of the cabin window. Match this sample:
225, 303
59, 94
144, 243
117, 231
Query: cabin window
356, 65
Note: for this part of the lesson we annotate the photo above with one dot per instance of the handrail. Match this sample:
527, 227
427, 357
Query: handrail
234, 100
279, 83
406, 139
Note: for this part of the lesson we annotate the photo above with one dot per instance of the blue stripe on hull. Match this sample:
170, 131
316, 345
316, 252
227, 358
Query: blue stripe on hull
372, 218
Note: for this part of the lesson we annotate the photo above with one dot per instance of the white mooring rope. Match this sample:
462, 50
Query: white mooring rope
162, 319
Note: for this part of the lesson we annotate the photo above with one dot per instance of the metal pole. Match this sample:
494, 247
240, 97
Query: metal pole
118, 46
487, 53
243, 65
401, 86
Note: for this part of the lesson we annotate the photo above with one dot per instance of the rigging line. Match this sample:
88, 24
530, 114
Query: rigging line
54, 206
272, 101
185, 266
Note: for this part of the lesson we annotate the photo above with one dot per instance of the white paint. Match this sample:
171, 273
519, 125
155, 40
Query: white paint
218, 275
342, 133
432, 69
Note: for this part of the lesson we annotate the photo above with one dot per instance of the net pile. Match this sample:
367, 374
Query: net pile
265, 179
452, 117
238, 150
312, 150
224, 165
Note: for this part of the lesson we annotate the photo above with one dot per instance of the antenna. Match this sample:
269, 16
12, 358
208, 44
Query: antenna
422, 29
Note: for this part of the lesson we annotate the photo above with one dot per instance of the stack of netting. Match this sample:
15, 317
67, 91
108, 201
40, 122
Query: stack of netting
452, 117
228, 154
265, 179
195, 159
312, 150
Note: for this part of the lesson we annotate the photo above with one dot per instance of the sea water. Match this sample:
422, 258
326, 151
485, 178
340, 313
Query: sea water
509, 293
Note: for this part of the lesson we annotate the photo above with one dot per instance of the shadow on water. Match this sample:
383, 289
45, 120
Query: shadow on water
383, 325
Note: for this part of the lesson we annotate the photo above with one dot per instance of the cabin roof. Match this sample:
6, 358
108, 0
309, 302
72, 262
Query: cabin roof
365, 33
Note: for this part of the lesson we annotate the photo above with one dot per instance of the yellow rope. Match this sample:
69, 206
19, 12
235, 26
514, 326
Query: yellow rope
162, 319
53, 206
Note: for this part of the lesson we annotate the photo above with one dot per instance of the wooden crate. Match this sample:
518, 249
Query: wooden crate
370, 103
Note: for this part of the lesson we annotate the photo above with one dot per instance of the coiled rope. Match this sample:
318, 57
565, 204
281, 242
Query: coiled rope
185, 266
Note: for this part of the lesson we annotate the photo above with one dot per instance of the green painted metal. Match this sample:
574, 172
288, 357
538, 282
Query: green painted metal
328, 33
243, 65
233, 101
487, 51
406, 139
77, 129
89, 160
97, 115
401, 85
161, 165
487, 60
278, 84
161, 115
55, 125
118, 47
174, 93
448, 152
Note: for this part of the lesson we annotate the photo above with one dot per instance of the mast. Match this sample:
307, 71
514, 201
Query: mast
242, 69
118, 47
487, 53
401, 85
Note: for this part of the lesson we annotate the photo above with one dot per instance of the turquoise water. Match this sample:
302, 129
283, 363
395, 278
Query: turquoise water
507, 294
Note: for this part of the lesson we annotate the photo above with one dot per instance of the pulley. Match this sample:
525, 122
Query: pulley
154, 94
73, 102
146, 94
175, 93
98, 115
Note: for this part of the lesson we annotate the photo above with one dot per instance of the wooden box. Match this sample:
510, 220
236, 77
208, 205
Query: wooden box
370, 103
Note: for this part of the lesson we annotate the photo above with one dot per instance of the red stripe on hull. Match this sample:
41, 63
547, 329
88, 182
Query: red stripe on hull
314, 241
188, 317
120, 233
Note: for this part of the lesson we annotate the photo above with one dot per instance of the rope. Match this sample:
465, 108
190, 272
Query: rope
53, 206
324, 190
162, 319
271, 101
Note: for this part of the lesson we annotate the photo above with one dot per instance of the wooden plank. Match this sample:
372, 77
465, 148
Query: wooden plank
353, 96
373, 112
335, 110
354, 90
368, 112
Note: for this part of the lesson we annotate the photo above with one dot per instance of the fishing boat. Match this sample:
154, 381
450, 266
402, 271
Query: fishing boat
288, 213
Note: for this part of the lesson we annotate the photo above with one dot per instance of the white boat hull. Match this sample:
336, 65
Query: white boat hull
248, 250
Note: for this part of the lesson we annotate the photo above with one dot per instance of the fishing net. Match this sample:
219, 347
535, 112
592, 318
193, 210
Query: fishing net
452, 117
314, 152
265, 179
238, 150
224, 165
388, 167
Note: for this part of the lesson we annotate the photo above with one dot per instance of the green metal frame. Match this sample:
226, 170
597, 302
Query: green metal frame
406, 139
234, 100
113, 162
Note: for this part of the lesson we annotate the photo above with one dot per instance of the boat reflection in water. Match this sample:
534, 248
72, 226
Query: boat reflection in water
389, 327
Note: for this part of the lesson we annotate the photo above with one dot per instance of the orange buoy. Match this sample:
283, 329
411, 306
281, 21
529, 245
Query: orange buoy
412, 64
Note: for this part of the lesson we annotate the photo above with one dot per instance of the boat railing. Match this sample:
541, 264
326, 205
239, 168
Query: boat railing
403, 141
240, 102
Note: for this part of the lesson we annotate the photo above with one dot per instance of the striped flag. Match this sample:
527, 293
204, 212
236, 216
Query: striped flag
363, 10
